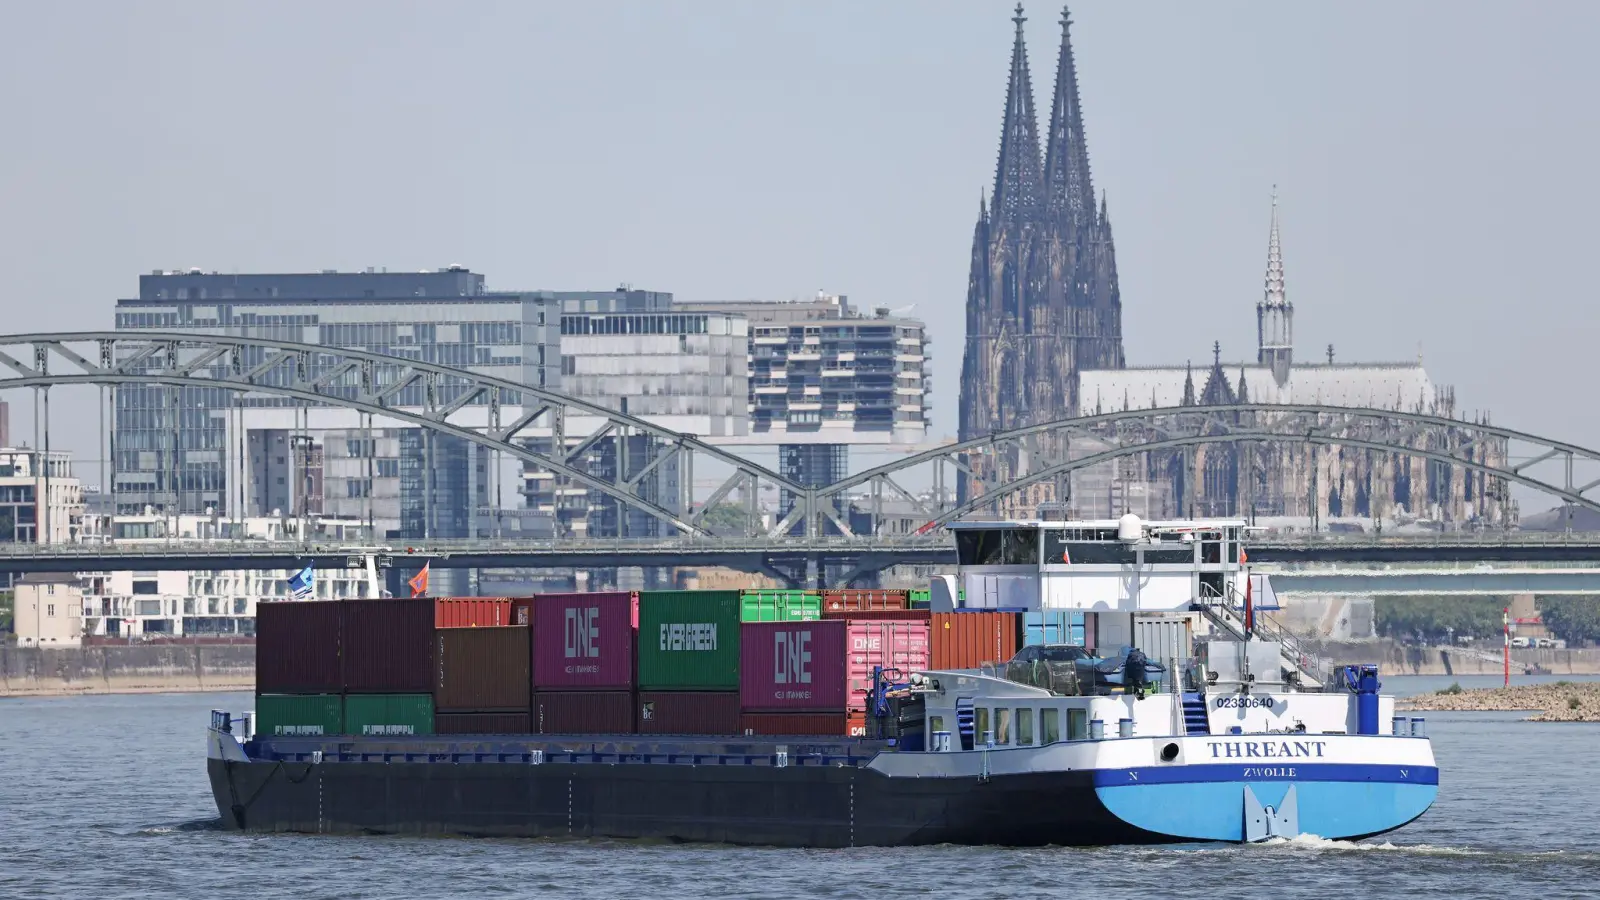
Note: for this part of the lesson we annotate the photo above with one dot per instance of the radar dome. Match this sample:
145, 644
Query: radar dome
1129, 528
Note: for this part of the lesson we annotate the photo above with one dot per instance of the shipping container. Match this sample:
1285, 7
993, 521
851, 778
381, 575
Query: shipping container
968, 640
522, 611
689, 712
793, 666
900, 644
1053, 626
917, 596
583, 712
780, 606
862, 599
388, 714
584, 641
298, 647
866, 614
482, 723
851, 724
689, 640
388, 646
299, 714
483, 669
471, 612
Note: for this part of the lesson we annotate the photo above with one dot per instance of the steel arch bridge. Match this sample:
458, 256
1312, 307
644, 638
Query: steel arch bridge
492, 412
503, 415
1560, 469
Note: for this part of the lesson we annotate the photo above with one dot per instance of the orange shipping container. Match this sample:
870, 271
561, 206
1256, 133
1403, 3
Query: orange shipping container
836, 601
967, 640
481, 669
471, 612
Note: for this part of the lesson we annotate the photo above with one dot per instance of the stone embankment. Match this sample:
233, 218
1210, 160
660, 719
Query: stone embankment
172, 668
1563, 701
1410, 659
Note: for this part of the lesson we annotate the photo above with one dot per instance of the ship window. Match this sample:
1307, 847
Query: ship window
935, 724
1077, 724
975, 547
981, 723
1021, 547
1050, 724
1025, 727
1002, 727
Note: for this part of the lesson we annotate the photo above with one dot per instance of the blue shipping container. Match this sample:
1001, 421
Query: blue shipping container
1053, 626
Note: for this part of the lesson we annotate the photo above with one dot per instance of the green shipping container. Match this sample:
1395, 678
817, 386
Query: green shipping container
780, 606
689, 640
388, 714
283, 715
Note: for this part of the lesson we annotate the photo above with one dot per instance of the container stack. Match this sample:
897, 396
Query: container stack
583, 663
485, 679
689, 662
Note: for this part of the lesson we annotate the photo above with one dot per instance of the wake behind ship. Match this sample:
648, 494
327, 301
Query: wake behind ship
1130, 697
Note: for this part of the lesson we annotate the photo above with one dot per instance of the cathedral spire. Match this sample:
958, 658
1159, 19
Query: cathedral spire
1017, 179
1070, 190
1275, 314
1188, 385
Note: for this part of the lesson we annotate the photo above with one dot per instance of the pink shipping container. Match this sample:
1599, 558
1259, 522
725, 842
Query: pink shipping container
689, 712
583, 712
297, 647
389, 646
584, 642
793, 666
891, 643
471, 612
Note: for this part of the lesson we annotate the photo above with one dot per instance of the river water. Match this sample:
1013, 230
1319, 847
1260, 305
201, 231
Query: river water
106, 797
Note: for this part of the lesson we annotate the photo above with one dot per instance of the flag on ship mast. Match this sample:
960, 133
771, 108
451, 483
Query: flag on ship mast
300, 584
419, 582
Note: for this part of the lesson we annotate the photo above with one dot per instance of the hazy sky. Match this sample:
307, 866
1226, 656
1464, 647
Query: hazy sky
1435, 161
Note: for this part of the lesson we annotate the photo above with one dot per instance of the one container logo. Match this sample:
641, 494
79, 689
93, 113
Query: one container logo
583, 632
688, 636
791, 653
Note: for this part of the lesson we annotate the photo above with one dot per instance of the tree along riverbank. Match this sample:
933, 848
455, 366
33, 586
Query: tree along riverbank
1563, 701
174, 668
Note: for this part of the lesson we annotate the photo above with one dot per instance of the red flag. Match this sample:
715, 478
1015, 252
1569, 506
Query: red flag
419, 582
1066, 555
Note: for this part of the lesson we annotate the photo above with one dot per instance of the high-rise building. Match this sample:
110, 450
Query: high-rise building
1042, 298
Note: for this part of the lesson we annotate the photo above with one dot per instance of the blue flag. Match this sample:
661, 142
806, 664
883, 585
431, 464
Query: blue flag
300, 584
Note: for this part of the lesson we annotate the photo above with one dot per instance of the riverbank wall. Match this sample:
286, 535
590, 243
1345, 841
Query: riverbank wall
1408, 659
169, 668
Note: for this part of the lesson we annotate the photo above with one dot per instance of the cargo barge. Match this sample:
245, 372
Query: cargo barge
855, 725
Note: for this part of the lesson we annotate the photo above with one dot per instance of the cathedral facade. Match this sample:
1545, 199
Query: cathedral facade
1042, 296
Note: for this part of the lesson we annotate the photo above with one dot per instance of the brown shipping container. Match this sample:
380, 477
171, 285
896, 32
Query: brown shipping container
869, 615
583, 712
388, 646
689, 712
482, 669
522, 611
967, 640
481, 723
297, 647
471, 612
851, 724
834, 601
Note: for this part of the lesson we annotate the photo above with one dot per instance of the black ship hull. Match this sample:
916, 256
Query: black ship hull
799, 806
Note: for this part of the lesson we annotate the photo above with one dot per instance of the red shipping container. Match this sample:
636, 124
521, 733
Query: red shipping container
891, 643
482, 723
865, 614
689, 712
471, 612
298, 647
583, 712
584, 641
388, 646
792, 666
851, 724
482, 669
835, 601
967, 640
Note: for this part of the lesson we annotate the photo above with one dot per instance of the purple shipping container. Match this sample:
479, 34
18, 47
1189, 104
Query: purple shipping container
792, 666
297, 647
584, 642
389, 646
689, 712
583, 712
